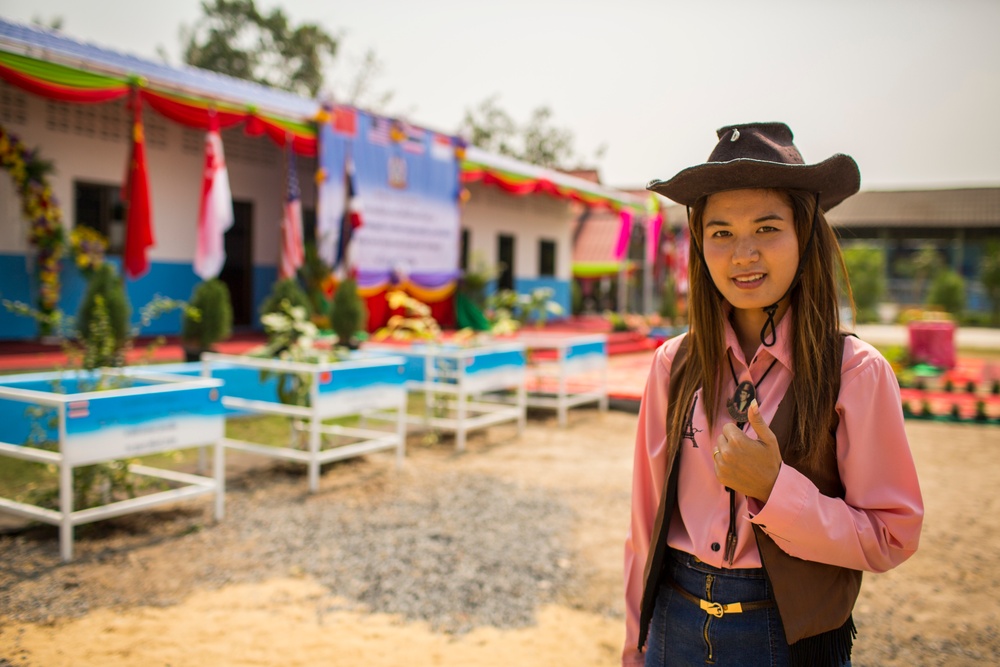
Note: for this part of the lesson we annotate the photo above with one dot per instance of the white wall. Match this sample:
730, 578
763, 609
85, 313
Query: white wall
91, 142
490, 212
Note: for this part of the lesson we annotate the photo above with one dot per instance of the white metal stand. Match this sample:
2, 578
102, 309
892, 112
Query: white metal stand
566, 371
162, 413
456, 383
337, 389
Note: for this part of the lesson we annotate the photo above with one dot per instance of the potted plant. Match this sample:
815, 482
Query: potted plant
348, 314
102, 323
208, 319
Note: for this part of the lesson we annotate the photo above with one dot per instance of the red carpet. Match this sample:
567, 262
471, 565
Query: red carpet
630, 354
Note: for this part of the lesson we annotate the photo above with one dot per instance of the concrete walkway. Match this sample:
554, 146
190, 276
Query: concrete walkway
969, 338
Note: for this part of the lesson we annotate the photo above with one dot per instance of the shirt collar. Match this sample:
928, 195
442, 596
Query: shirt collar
781, 350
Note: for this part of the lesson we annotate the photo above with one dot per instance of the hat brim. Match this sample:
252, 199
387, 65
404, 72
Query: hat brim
835, 179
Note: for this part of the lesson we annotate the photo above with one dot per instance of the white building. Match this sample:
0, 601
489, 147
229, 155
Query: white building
88, 145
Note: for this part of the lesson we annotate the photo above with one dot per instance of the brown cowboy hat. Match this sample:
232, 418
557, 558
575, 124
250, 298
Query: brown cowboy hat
762, 155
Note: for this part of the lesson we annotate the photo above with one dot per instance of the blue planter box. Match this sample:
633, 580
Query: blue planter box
59, 419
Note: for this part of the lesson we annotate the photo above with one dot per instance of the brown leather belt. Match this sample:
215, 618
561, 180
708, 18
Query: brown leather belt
719, 610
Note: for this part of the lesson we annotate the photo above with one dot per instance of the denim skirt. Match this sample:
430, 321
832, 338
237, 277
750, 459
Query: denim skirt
682, 633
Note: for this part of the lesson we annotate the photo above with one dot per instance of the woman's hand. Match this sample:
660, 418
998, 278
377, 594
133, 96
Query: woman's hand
744, 465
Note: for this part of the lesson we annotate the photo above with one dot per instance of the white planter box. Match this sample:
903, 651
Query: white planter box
336, 389
566, 371
465, 376
158, 413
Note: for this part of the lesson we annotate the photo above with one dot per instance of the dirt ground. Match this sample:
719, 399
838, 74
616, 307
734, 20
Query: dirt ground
939, 608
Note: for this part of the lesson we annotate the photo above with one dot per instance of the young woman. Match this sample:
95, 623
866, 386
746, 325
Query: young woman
771, 464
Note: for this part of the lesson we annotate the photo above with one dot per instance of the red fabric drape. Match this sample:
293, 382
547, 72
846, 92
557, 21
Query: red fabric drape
189, 114
379, 313
536, 186
194, 115
257, 125
61, 93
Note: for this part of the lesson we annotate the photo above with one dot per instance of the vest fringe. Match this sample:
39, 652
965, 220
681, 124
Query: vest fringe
828, 649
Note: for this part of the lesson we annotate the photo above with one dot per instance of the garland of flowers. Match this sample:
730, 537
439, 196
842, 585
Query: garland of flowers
40, 208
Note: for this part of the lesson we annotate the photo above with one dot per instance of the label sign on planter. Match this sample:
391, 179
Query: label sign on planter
103, 428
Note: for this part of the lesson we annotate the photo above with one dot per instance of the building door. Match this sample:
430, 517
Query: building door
505, 256
237, 273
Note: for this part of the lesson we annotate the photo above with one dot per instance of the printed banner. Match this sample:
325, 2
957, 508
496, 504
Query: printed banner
407, 183
103, 428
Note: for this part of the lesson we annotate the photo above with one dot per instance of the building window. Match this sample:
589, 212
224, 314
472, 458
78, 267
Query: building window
505, 255
309, 225
463, 255
546, 258
100, 207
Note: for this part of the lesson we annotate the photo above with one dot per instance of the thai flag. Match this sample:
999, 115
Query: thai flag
350, 222
78, 409
292, 248
414, 140
442, 148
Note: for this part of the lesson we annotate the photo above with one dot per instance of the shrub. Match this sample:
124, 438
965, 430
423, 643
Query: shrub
213, 319
947, 291
668, 300
103, 318
989, 276
286, 290
348, 314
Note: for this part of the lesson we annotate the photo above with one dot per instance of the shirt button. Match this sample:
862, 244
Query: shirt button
715, 546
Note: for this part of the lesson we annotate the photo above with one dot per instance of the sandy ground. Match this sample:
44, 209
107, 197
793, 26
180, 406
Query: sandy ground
940, 608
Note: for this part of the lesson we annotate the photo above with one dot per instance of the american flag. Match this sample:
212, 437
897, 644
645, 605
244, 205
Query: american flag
292, 249
380, 131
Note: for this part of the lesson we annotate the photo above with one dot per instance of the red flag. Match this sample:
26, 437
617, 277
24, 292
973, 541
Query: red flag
292, 248
216, 214
345, 121
139, 219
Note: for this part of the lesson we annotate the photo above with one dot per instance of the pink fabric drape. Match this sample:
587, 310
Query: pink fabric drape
624, 234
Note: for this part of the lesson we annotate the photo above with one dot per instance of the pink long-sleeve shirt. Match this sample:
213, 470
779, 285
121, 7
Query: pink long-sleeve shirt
875, 527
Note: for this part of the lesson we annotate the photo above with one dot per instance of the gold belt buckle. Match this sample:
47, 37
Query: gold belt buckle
719, 610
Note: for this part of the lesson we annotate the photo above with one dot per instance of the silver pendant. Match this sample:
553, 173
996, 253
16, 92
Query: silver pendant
739, 404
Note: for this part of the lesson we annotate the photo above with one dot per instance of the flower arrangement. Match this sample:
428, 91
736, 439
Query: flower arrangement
416, 322
87, 246
292, 336
41, 209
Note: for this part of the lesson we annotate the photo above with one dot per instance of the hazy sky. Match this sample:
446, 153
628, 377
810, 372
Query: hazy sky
910, 88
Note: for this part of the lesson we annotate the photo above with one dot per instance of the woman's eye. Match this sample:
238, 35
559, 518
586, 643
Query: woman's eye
767, 228
720, 233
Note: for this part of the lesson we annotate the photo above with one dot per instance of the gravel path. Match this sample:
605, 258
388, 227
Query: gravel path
455, 549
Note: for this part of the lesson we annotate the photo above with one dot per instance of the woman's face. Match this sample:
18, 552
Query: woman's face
751, 248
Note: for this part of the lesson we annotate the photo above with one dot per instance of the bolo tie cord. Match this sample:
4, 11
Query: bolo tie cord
769, 332
730, 553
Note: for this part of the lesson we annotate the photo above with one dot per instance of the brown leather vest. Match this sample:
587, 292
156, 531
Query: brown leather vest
812, 598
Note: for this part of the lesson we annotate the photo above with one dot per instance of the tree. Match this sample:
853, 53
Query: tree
538, 141
989, 276
235, 38
947, 291
919, 267
866, 271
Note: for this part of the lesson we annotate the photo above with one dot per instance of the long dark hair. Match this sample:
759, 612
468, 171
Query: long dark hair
815, 328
